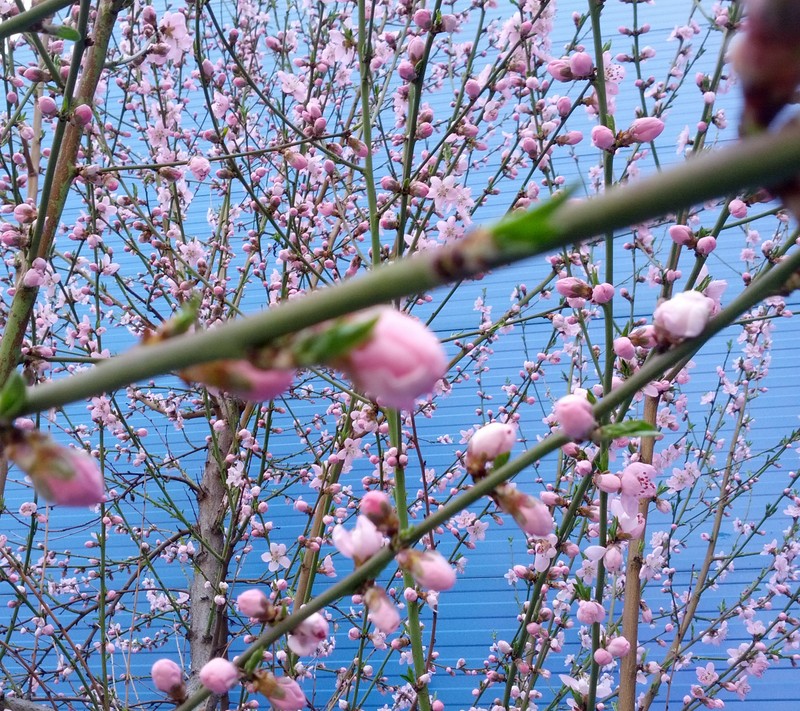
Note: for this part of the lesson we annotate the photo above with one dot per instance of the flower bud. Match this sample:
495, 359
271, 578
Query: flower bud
684, 316
168, 677
644, 130
603, 138
530, 514
240, 378
490, 441
82, 115
429, 568
382, 612
219, 675
361, 543
255, 604
574, 414
64, 476
306, 637
618, 647
47, 106
283, 692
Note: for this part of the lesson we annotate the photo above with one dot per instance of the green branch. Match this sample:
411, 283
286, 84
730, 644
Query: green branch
761, 160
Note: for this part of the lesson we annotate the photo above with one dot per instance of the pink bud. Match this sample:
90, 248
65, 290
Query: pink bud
705, 245
416, 50
82, 115
603, 138
62, 475
168, 677
375, 505
284, 694
254, 603
574, 414
306, 637
618, 647
25, 213
382, 612
429, 568
590, 611
603, 657
581, 65
573, 288
390, 184
423, 19
492, 440
681, 234
624, 348
602, 293
570, 138
297, 160
240, 378
449, 23
400, 361
47, 106
219, 675
407, 71
530, 514
472, 89
559, 70
685, 315
609, 483
644, 130
737, 208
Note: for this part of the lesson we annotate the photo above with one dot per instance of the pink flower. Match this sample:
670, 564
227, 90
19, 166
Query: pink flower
361, 543
306, 637
644, 130
602, 293
603, 657
429, 568
530, 514
254, 603
168, 677
400, 361
283, 692
603, 138
490, 441
706, 245
574, 414
64, 476
240, 378
590, 611
377, 507
685, 315
609, 483
624, 348
681, 234
637, 482
581, 65
573, 288
737, 208
382, 612
559, 70
199, 167
219, 675
47, 106
423, 19
25, 213
82, 115
618, 647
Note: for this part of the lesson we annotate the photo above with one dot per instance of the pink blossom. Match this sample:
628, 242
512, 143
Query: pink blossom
429, 568
62, 475
609, 483
644, 130
25, 213
530, 514
199, 167
602, 293
361, 543
685, 315
82, 115
401, 360
590, 611
706, 245
47, 106
573, 288
423, 18
603, 657
624, 348
240, 378
283, 692
681, 234
306, 637
619, 647
637, 482
253, 603
407, 71
219, 675
737, 208
490, 441
603, 138
382, 612
574, 414
168, 677
581, 65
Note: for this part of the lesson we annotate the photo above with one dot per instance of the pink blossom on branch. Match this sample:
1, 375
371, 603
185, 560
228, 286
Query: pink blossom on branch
530, 514
574, 414
62, 475
360, 544
683, 316
429, 568
240, 378
304, 639
219, 675
400, 361
168, 677
490, 441
382, 612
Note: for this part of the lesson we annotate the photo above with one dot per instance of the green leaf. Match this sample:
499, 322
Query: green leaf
333, 343
521, 230
67, 33
12, 396
629, 428
501, 459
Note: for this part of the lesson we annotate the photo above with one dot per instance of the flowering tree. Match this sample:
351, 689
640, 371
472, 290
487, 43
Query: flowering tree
239, 239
